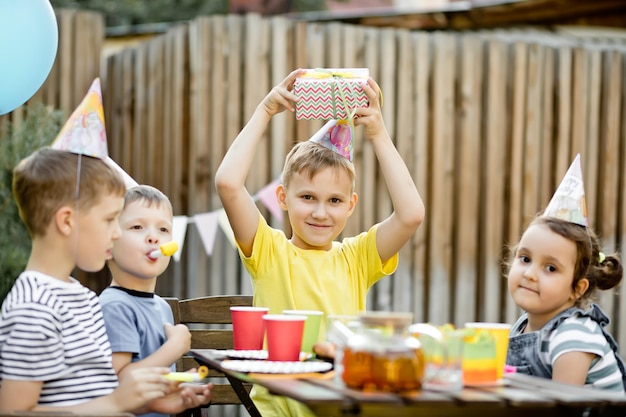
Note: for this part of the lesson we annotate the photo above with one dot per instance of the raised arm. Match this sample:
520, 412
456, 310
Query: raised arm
408, 208
231, 175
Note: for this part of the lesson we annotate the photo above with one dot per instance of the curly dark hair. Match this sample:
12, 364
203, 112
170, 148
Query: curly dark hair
602, 271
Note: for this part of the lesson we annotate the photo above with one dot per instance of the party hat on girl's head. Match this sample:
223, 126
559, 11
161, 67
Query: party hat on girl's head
336, 135
84, 132
568, 202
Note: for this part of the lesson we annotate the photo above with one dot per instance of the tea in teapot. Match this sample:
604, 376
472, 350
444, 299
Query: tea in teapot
383, 355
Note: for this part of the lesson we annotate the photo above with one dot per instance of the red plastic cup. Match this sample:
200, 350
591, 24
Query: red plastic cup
284, 336
248, 327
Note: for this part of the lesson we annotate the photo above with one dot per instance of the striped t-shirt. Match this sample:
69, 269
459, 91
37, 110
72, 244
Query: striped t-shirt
53, 331
583, 334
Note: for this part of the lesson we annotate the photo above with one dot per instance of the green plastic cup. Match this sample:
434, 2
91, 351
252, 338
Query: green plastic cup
311, 334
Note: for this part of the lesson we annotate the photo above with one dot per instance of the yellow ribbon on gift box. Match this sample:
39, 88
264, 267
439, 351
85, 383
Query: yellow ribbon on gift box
321, 73
327, 73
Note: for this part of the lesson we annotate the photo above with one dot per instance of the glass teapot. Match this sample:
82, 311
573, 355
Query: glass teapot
382, 355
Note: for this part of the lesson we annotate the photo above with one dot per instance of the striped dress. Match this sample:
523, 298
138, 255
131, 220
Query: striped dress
583, 334
53, 331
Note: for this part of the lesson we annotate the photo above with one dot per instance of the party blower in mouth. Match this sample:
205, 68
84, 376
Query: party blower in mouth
166, 249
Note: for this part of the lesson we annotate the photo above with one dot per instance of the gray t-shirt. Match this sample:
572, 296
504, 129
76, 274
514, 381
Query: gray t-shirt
134, 322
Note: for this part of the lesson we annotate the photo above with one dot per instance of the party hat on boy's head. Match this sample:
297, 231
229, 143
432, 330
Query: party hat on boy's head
336, 135
84, 132
568, 202
128, 180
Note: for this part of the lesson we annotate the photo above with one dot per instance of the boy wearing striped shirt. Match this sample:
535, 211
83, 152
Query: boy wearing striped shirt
54, 350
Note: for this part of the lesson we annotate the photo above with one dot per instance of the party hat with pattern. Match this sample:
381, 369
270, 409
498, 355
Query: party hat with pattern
568, 202
84, 132
336, 135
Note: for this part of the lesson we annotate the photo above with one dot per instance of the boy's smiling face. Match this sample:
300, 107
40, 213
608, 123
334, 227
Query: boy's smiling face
318, 207
145, 227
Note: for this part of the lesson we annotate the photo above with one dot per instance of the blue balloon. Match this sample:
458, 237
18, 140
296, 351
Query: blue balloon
29, 39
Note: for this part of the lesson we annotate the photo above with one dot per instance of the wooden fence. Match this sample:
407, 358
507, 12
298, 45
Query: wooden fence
488, 122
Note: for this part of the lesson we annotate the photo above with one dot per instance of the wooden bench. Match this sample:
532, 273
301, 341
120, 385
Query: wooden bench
209, 322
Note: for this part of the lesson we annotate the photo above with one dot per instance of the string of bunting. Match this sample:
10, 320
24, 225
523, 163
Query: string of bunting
207, 223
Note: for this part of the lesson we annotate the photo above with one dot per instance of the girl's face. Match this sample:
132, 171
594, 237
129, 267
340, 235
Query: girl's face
144, 228
318, 207
541, 275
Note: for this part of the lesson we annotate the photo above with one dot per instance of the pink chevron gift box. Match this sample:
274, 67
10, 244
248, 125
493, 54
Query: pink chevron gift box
330, 93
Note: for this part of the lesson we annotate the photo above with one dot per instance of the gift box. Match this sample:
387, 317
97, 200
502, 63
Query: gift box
330, 93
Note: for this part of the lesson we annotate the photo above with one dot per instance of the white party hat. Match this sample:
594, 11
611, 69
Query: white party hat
568, 202
128, 180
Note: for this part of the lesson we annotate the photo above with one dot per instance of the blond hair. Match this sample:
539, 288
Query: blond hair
147, 195
310, 157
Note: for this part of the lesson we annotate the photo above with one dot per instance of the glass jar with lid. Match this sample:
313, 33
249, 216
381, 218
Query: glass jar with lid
383, 355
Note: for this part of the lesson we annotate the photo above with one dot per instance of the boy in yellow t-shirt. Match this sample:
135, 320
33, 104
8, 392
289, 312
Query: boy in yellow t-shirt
312, 271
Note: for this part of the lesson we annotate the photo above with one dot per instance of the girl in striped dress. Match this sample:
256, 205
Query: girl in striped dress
553, 273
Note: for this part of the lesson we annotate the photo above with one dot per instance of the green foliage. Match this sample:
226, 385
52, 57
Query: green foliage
135, 12
37, 129
309, 5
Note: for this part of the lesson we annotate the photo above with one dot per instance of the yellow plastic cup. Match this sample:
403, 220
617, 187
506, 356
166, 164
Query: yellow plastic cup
500, 332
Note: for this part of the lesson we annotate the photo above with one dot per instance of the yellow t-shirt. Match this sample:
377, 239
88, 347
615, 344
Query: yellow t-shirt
285, 277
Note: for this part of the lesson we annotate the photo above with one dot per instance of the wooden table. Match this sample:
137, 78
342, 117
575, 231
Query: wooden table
518, 395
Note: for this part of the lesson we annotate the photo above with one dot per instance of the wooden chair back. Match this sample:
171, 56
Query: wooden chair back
214, 311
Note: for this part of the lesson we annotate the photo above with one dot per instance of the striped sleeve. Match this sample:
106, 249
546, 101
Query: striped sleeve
582, 334
32, 328
53, 332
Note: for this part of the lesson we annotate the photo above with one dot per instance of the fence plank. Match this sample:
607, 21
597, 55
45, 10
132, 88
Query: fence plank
533, 158
139, 131
468, 172
217, 140
547, 131
609, 83
443, 157
592, 138
494, 183
200, 67
580, 106
517, 157
422, 51
65, 60
564, 105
